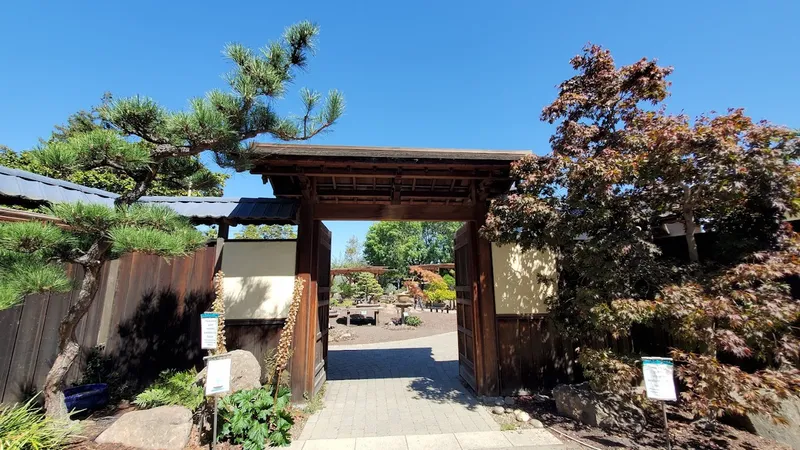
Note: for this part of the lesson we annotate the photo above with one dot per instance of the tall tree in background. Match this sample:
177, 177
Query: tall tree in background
179, 177
269, 232
352, 256
144, 140
399, 245
617, 169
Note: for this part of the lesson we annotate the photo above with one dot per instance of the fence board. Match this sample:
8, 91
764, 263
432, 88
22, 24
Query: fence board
9, 326
26, 349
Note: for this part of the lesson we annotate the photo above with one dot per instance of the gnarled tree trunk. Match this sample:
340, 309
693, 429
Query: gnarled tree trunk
68, 347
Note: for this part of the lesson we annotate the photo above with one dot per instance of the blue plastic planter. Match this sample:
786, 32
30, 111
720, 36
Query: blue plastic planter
86, 397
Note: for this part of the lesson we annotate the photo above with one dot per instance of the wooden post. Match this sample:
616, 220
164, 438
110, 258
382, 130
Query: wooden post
303, 352
486, 352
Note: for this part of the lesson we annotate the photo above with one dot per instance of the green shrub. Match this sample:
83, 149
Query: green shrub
413, 321
24, 427
251, 418
102, 368
172, 388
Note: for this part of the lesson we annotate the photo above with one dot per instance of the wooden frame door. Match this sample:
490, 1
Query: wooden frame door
323, 305
465, 270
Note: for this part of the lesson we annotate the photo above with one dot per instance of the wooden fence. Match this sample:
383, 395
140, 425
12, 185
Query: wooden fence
146, 314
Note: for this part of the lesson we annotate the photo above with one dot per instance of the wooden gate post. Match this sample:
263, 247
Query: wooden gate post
302, 365
486, 345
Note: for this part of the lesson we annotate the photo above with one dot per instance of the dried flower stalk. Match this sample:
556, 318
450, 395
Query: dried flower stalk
287, 335
219, 307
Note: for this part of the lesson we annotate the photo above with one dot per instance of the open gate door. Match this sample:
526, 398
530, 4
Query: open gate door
464, 305
323, 306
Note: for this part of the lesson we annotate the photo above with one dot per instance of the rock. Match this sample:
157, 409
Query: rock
536, 424
762, 425
509, 401
509, 410
579, 402
522, 416
162, 428
499, 402
245, 371
498, 410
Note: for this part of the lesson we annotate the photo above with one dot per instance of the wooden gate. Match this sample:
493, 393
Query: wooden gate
465, 271
323, 273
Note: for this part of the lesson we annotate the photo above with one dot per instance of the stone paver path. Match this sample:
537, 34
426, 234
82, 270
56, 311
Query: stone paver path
398, 388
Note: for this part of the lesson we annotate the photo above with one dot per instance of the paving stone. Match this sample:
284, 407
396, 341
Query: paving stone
533, 439
433, 442
330, 444
381, 443
482, 440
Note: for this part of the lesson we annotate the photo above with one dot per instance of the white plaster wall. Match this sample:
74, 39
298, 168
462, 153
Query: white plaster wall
259, 278
517, 288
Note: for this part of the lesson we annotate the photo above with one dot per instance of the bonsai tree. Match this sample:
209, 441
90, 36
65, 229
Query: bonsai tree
144, 140
367, 286
619, 167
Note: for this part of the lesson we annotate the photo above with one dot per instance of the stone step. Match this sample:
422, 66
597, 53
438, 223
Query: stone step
532, 439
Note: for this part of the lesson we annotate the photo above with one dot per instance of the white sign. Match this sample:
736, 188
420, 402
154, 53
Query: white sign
218, 375
208, 330
658, 378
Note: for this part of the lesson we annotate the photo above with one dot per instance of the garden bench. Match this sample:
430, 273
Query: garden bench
362, 311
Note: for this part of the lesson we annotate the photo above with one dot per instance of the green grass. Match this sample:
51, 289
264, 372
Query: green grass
25, 427
508, 427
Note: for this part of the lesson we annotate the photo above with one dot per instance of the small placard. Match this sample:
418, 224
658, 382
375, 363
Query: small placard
218, 375
658, 378
208, 330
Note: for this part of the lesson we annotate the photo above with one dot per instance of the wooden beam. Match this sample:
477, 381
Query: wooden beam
224, 230
383, 173
442, 213
394, 194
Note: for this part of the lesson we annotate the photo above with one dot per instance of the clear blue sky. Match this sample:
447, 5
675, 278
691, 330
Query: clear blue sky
460, 74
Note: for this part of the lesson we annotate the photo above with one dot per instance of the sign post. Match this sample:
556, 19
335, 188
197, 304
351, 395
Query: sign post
660, 385
209, 322
218, 381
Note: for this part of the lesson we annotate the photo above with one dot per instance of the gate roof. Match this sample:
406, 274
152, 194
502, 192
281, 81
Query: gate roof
358, 182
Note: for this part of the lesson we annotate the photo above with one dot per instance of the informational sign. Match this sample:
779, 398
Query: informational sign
208, 330
658, 378
218, 375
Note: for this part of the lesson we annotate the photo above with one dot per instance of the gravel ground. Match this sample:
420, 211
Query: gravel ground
683, 433
365, 332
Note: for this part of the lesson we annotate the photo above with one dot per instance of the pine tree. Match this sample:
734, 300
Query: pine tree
143, 140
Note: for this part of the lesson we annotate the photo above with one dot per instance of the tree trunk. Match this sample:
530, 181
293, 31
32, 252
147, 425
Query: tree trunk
68, 347
689, 225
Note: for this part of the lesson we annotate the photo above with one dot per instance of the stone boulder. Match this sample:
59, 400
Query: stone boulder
162, 428
764, 426
579, 402
245, 371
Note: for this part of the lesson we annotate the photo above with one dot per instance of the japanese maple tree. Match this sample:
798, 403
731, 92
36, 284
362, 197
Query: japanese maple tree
620, 167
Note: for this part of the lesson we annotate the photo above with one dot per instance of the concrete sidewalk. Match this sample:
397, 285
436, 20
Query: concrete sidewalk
532, 439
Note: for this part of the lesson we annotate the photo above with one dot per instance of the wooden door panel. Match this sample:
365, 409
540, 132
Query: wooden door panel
323, 306
464, 306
